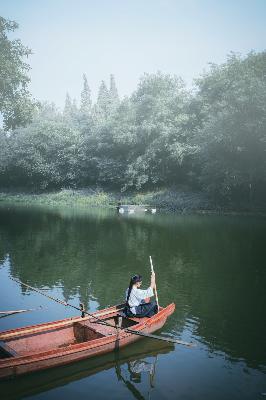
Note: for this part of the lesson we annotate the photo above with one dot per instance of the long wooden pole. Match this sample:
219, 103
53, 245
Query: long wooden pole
19, 311
138, 333
155, 288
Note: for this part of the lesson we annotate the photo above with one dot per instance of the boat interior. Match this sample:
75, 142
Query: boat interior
56, 336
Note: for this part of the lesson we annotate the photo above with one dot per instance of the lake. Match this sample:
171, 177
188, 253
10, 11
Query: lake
212, 267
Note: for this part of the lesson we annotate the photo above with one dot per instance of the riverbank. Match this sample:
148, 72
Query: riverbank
170, 200
180, 200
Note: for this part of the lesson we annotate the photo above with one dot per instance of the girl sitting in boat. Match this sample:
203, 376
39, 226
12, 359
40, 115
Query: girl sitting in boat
136, 306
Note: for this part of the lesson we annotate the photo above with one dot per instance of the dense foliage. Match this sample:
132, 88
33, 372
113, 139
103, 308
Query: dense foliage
232, 139
15, 100
212, 138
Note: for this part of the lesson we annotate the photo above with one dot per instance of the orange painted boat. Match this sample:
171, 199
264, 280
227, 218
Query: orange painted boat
42, 346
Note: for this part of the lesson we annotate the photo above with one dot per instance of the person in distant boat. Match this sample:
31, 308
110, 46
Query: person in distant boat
136, 306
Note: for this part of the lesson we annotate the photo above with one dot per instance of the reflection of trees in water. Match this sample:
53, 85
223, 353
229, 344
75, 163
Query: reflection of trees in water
212, 268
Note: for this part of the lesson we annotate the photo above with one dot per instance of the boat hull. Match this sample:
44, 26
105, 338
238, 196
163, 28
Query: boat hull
38, 347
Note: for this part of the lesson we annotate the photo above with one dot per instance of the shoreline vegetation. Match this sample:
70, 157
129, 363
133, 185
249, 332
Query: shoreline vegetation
177, 200
204, 145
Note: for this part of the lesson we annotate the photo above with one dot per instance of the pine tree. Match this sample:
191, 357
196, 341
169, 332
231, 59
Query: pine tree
85, 103
68, 106
74, 108
113, 93
71, 112
103, 101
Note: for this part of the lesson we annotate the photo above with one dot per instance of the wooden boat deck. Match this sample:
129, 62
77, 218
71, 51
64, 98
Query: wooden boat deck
30, 341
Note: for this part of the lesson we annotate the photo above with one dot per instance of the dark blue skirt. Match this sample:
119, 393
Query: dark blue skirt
143, 310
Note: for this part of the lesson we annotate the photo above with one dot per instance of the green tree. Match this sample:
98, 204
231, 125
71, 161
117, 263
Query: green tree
85, 102
161, 136
232, 140
71, 113
85, 117
102, 107
16, 105
113, 94
68, 108
45, 154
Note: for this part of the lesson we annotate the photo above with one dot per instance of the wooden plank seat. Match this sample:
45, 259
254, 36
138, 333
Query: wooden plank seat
7, 351
119, 320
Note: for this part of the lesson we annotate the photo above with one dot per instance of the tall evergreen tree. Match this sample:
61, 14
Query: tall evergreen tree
71, 113
68, 106
113, 93
74, 108
85, 103
103, 102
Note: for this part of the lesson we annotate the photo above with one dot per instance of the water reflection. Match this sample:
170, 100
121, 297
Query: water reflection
211, 267
134, 366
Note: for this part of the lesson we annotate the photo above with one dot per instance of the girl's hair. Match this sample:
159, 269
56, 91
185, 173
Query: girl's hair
135, 279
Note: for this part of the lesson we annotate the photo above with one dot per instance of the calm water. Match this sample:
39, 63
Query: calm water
213, 268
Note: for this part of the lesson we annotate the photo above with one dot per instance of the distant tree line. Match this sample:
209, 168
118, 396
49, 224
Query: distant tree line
212, 137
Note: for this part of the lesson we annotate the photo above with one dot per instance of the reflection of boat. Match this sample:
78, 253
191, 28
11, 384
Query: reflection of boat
61, 342
43, 381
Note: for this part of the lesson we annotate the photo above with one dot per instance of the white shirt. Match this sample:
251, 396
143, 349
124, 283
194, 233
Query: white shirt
137, 297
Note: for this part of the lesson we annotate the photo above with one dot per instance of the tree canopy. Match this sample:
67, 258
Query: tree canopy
15, 100
232, 140
212, 137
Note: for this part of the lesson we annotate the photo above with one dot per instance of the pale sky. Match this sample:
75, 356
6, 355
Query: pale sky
129, 37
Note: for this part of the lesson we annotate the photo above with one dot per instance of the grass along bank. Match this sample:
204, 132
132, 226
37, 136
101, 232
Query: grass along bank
179, 200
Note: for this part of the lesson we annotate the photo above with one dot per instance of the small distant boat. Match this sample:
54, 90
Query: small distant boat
132, 209
43, 346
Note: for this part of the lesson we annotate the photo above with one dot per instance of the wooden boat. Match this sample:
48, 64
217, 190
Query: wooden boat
134, 208
42, 346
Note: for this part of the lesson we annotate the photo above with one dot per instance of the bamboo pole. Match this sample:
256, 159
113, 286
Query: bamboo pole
155, 289
19, 311
13, 312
